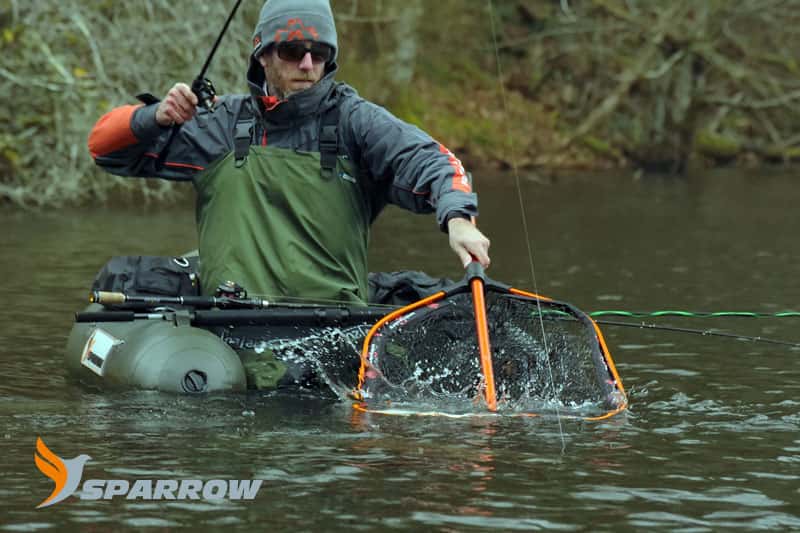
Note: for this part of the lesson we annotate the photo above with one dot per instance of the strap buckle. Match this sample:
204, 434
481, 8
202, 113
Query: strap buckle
328, 150
241, 141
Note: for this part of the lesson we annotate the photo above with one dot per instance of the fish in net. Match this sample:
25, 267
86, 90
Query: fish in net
545, 354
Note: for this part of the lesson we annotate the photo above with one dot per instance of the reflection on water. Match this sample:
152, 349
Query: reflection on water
710, 443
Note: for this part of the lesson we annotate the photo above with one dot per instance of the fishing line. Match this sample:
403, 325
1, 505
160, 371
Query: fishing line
525, 229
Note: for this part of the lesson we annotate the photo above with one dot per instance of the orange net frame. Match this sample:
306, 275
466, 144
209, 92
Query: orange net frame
544, 355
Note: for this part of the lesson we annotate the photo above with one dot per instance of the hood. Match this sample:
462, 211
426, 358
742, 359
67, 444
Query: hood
296, 105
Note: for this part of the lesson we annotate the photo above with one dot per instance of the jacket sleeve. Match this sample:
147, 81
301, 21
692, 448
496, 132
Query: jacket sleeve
424, 176
127, 141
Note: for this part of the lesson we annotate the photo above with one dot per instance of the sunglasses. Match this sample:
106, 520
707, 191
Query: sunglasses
297, 50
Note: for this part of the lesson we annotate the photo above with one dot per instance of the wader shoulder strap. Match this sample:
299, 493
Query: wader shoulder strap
329, 140
243, 133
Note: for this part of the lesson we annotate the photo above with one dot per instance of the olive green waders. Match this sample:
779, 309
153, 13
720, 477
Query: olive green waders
277, 226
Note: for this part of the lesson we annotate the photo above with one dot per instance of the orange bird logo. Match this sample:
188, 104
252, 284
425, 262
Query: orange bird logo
66, 474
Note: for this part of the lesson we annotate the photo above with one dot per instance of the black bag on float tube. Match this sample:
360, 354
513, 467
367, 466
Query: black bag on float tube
146, 275
404, 287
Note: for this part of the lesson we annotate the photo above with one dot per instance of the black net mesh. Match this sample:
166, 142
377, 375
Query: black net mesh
543, 354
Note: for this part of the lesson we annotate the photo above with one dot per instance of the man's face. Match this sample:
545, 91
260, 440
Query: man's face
294, 66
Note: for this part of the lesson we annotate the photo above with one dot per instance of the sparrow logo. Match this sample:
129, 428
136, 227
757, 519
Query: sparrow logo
66, 474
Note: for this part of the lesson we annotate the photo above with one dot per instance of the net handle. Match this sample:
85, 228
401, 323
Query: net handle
477, 282
477, 279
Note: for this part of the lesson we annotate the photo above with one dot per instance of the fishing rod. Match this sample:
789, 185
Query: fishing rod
333, 316
695, 314
560, 315
201, 87
224, 310
703, 332
121, 300
199, 302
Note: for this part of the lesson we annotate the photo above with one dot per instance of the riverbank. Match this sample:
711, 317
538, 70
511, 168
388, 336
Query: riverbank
535, 86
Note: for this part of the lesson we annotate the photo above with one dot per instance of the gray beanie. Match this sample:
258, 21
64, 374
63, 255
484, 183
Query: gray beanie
289, 20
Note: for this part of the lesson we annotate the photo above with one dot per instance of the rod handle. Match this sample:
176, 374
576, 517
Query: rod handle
104, 297
105, 316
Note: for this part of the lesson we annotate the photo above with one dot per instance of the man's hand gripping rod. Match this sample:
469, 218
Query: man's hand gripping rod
201, 87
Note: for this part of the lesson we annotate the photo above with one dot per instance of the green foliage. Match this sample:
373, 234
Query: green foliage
635, 77
716, 146
105, 53
644, 77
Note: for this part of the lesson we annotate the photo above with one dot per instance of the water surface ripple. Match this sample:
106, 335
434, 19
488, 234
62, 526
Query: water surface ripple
711, 441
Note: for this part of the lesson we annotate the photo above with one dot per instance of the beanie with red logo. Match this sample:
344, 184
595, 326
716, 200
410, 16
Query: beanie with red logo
293, 20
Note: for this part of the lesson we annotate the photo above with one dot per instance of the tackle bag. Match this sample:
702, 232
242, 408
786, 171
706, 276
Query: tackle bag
404, 287
146, 275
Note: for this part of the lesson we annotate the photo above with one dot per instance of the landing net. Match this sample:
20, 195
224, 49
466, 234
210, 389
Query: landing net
545, 354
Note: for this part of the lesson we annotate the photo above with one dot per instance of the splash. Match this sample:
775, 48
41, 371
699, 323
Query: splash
330, 354
433, 365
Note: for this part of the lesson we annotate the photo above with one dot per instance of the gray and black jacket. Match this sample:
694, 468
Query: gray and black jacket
405, 166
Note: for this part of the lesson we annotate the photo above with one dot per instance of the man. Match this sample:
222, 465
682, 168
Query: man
290, 178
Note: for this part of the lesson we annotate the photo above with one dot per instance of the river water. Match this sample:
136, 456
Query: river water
710, 441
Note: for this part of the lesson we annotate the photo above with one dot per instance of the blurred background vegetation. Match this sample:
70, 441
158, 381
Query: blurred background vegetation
555, 84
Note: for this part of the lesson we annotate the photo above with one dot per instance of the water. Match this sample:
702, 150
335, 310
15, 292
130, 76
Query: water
710, 443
